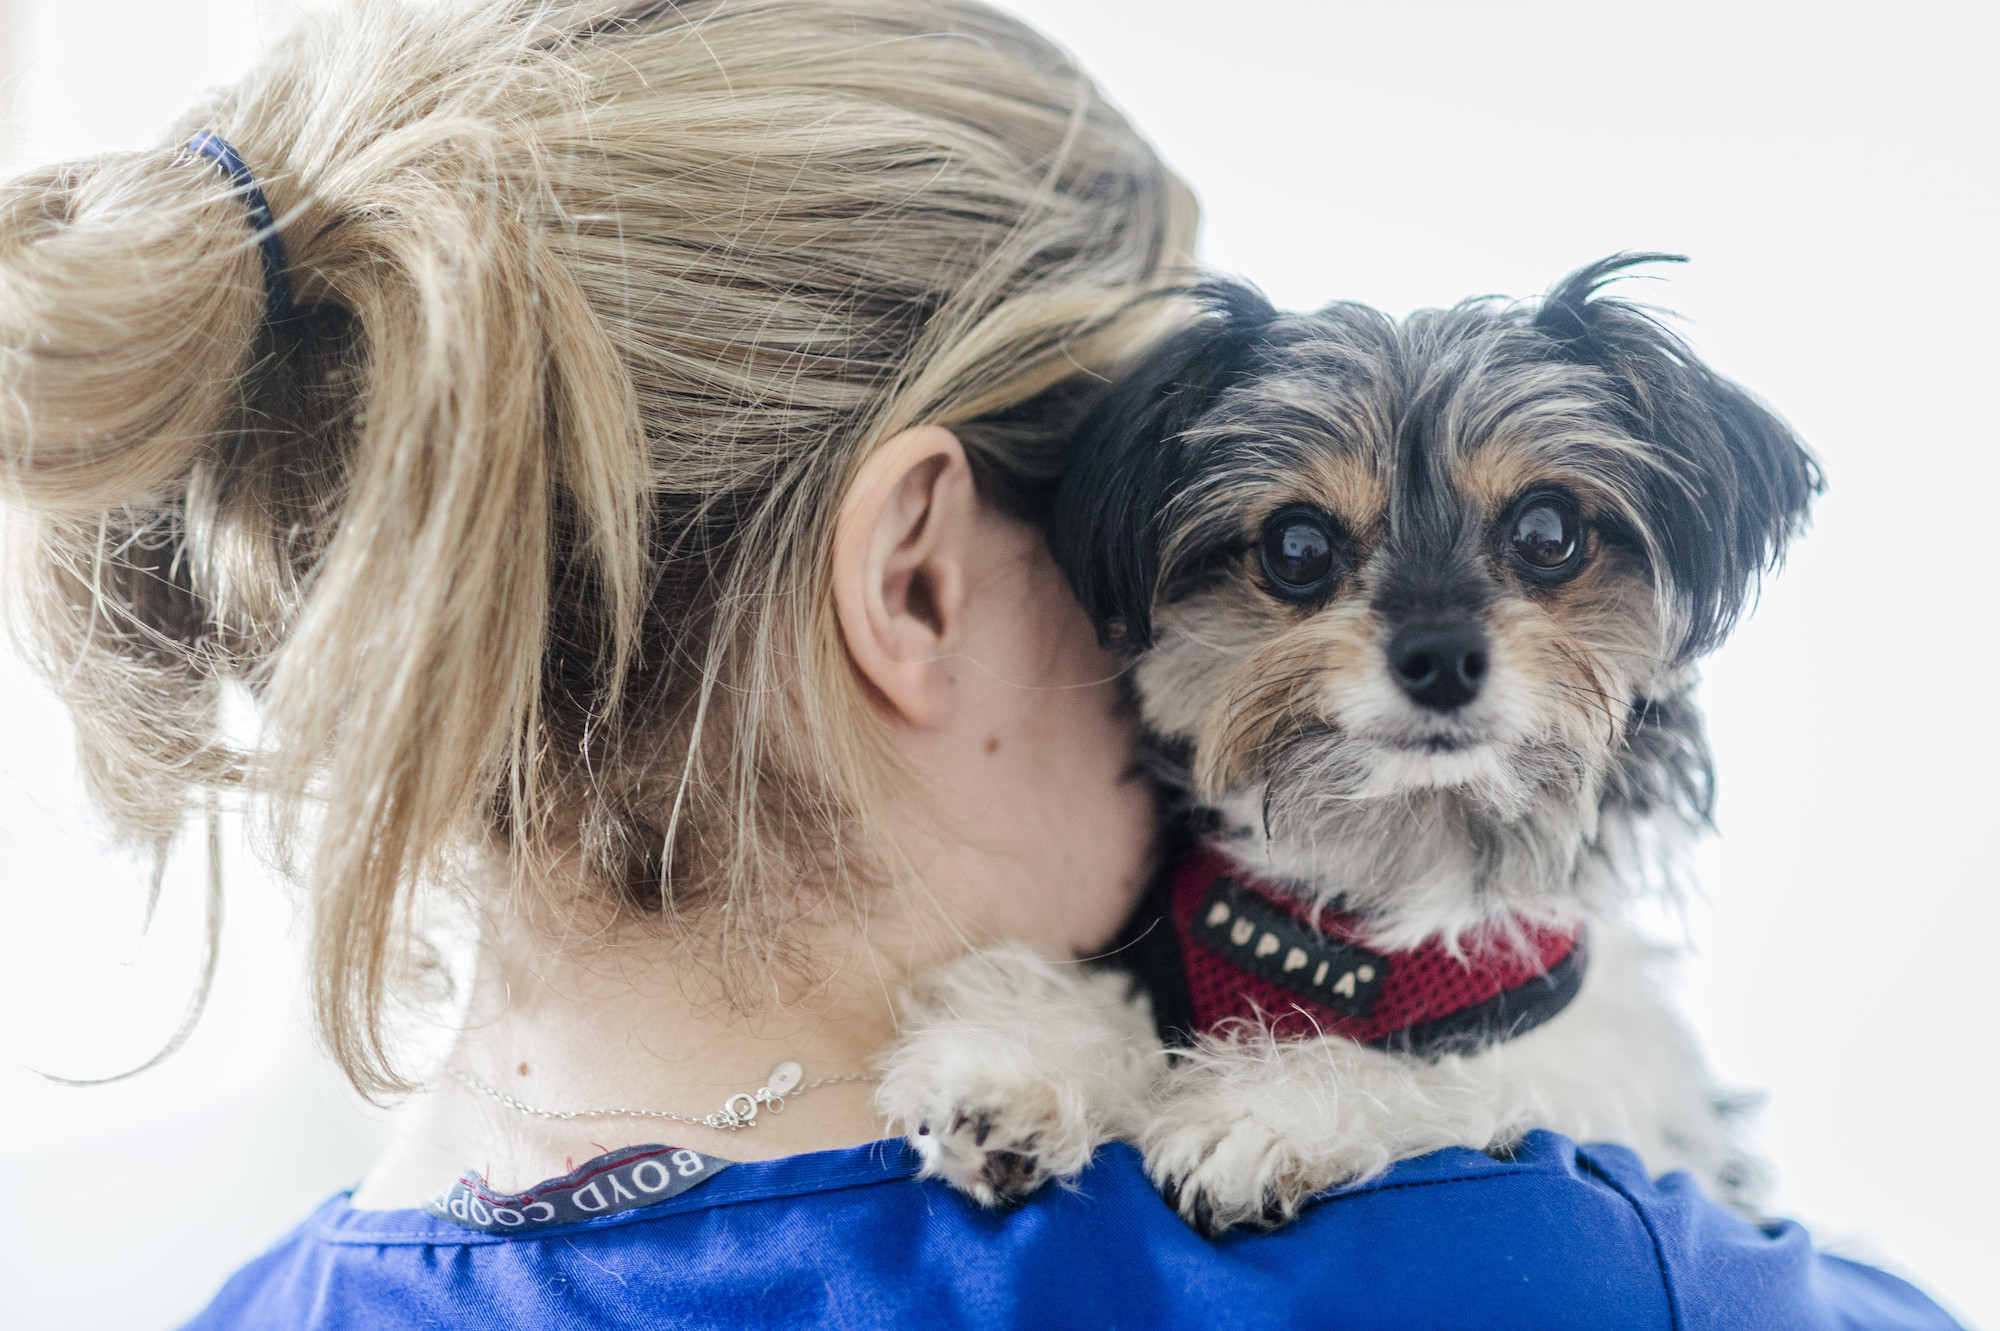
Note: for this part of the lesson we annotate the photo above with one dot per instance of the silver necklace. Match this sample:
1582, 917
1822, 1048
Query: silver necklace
738, 1111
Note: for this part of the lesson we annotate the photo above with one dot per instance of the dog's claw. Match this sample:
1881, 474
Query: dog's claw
1202, 1216
985, 1130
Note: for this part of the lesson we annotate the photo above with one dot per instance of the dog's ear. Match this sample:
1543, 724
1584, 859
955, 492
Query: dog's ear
1126, 460
1729, 483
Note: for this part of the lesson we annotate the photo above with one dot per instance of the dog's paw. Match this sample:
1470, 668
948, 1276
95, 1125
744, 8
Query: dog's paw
1013, 1069
995, 1137
984, 1152
1221, 1171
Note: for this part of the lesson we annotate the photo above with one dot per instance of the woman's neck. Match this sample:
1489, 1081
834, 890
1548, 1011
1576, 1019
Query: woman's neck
634, 1025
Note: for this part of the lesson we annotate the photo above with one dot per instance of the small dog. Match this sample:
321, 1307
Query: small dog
1412, 609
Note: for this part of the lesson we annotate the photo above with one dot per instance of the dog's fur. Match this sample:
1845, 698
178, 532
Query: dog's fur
1554, 793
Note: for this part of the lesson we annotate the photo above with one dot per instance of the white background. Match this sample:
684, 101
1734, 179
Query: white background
1830, 168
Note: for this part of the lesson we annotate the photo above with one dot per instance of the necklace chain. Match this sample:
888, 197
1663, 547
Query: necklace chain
737, 1112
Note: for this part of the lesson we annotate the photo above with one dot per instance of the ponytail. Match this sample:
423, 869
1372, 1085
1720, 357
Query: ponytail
354, 510
131, 298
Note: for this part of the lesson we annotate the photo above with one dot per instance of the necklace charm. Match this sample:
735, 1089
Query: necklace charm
740, 1109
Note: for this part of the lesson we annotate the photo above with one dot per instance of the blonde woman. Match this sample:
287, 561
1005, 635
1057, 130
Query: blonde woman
607, 441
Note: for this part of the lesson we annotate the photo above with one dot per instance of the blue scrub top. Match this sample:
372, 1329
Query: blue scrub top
1556, 1236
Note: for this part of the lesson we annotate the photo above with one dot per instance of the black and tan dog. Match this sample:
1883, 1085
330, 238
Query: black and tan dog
1412, 608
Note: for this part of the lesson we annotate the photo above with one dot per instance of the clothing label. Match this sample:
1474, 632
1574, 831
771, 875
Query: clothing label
635, 1176
1248, 931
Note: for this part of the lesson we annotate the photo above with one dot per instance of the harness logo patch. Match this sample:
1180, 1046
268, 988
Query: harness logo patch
1248, 931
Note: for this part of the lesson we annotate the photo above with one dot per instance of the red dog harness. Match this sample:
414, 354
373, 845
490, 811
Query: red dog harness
1252, 952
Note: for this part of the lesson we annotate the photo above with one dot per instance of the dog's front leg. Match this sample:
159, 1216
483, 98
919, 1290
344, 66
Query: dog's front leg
1011, 1070
1249, 1127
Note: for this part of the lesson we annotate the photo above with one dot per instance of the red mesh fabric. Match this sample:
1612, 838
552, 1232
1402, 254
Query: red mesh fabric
1423, 984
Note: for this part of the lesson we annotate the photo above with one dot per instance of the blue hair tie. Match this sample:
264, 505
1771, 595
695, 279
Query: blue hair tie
277, 291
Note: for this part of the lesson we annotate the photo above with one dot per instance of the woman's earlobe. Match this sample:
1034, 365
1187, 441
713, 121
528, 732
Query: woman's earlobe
899, 569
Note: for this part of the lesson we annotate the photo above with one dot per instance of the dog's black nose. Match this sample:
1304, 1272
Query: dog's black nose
1439, 666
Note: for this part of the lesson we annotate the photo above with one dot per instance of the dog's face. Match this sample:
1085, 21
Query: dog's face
1415, 602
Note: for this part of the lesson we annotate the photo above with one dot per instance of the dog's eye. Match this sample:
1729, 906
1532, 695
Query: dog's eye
1547, 533
1298, 551
1543, 536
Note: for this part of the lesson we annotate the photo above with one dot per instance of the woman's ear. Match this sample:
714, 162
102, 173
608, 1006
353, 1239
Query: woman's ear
900, 550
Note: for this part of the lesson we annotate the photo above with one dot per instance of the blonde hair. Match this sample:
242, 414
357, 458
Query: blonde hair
519, 532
